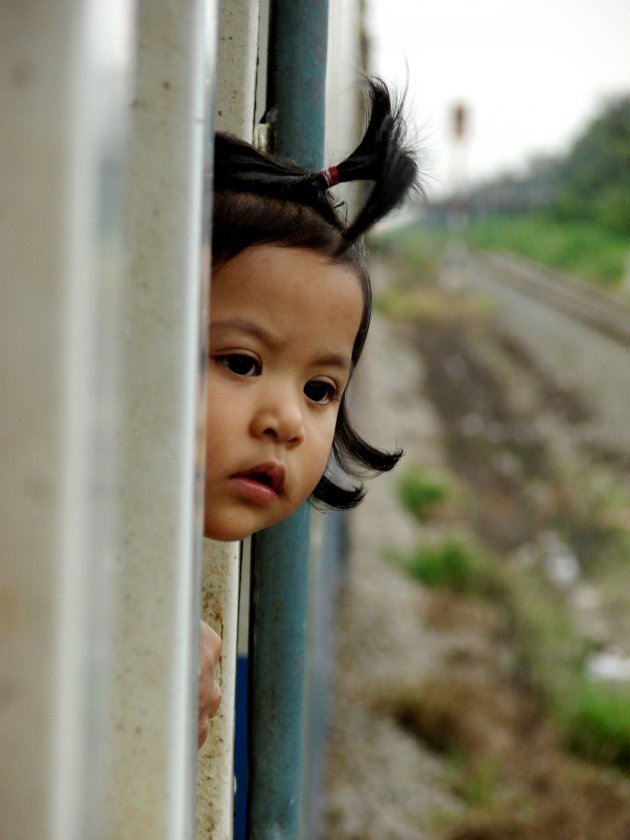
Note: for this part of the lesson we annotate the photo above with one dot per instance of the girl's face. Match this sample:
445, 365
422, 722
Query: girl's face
283, 324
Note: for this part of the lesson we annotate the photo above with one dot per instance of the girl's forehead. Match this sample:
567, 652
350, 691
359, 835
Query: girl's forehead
288, 290
285, 272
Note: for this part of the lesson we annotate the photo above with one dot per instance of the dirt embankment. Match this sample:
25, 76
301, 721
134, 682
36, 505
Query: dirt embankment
438, 731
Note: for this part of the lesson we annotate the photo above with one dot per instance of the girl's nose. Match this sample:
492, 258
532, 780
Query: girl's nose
280, 418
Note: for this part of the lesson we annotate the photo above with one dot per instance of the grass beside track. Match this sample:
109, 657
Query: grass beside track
584, 250
581, 249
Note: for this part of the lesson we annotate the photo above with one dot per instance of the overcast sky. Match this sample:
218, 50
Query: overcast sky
530, 73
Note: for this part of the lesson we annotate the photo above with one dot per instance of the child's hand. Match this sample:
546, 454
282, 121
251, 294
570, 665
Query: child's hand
209, 691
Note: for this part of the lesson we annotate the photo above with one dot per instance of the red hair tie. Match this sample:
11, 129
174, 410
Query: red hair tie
331, 176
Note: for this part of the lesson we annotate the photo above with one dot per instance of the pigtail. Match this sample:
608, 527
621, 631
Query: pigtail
381, 157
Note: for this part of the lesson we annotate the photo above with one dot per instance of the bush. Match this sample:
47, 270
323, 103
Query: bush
597, 723
450, 564
420, 492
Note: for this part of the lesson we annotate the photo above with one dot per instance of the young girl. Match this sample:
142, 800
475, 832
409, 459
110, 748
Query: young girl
290, 310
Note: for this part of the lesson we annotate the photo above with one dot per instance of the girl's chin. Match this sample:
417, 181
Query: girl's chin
227, 534
234, 531
239, 524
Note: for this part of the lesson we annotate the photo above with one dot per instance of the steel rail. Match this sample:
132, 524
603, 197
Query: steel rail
576, 333
604, 311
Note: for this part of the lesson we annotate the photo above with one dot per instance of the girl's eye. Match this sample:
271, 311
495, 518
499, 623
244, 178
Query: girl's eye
320, 391
240, 364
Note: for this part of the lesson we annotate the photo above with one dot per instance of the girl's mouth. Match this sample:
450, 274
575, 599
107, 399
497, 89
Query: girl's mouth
263, 483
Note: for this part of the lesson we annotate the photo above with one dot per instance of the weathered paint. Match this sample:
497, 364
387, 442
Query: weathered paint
297, 73
280, 578
215, 775
237, 56
152, 693
237, 53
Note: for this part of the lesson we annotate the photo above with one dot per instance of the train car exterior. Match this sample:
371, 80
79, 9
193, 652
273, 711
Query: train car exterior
104, 223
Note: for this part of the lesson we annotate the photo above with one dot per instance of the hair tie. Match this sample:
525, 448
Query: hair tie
331, 176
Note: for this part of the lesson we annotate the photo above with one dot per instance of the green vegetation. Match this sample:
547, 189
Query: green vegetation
411, 300
594, 178
478, 787
578, 247
452, 563
547, 651
449, 563
598, 722
593, 718
413, 305
420, 492
417, 249
417, 305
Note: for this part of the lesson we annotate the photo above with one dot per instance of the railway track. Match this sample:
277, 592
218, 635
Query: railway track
578, 333
607, 313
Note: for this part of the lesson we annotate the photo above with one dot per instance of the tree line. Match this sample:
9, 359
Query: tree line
590, 183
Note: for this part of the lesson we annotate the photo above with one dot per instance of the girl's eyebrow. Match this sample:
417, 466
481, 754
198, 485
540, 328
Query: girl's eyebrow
336, 360
243, 325
256, 330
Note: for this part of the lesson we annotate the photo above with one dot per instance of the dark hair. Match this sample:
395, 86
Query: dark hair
262, 199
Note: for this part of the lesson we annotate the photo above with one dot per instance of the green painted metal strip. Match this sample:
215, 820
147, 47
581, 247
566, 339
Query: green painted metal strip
297, 77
